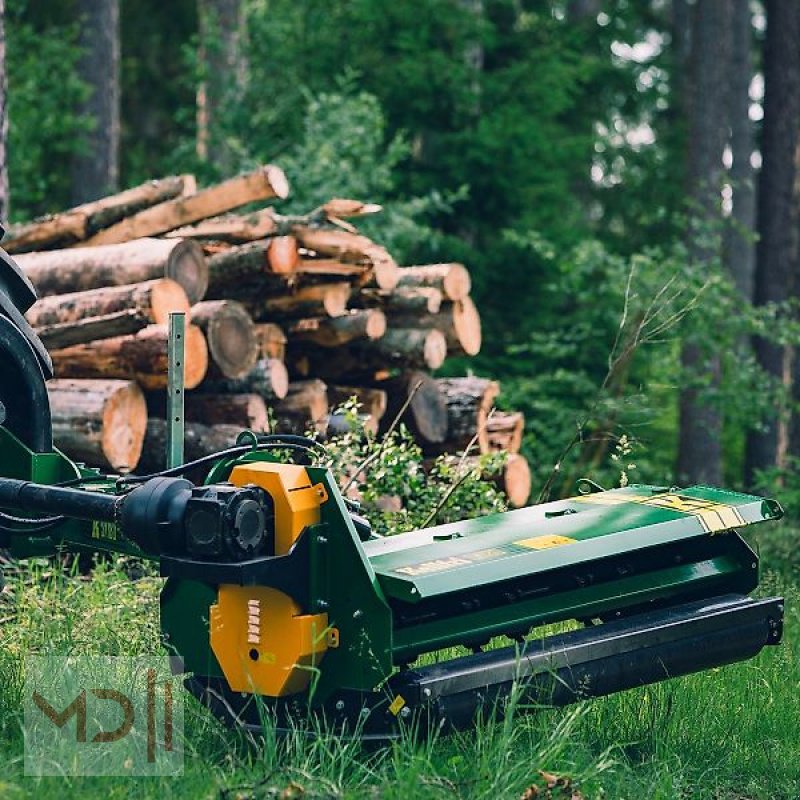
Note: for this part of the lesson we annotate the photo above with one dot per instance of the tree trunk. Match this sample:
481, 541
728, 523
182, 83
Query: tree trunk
271, 341
99, 422
700, 446
242, 410
426, 414
233, 228
372, 402
504, 431
513, 478
74, 225
231, 337
153, 300
268, 379
740, 239
459, 322
408, 346
304, 407
90, 329
774, 281
199, 441
261, 184
95, 167
223, 67
82, 268
141, 357
4, 191
468, 401
451, 279
338, 331
328, 299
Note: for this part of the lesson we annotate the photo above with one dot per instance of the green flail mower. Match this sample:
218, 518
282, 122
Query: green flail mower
279, 598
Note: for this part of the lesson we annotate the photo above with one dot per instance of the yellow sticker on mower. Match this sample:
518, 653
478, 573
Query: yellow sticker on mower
713, 516
544, 542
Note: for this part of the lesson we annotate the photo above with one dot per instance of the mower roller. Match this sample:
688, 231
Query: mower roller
281, 602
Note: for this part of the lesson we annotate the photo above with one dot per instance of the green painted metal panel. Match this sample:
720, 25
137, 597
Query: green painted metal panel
449, 558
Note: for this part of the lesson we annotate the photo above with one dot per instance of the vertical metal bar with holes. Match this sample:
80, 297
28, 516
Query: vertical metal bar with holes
175, 386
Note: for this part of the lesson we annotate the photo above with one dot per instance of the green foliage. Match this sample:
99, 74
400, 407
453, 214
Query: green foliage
43, 93
397, 492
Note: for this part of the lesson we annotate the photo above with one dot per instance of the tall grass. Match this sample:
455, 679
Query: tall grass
726, 734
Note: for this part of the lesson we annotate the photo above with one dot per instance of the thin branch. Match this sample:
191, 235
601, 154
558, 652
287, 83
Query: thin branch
369, 460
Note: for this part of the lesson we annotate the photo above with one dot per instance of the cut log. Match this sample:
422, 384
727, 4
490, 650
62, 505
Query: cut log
351, 248
242, 410
304, 408
426, 415
153, 300
141, 357
411, 346
460, 322
328, 267
233, 228
505, 430
236, 269
337, 331
338, 207
513, 478
199, 441
469, 401
268, 379
83, 268
231, 337
451, 279
413, 300
62, 230
271, 341
283, 256
327, 299
372, 402
262, 184
99, 422
67, 334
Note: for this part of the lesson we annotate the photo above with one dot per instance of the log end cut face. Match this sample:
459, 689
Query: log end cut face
187, 266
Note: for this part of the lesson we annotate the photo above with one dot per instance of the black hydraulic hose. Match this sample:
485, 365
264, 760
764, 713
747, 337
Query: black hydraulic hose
74, 503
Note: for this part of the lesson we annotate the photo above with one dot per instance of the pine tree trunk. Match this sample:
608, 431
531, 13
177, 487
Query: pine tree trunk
221, 56
774, 280
95, 168
699, 446
740, 235
4, 195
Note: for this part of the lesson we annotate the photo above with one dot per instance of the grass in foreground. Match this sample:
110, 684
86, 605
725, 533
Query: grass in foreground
728, 734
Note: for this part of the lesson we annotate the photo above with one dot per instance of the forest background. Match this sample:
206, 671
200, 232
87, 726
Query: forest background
622, 178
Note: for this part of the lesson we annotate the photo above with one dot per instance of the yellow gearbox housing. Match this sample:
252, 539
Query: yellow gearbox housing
263, 642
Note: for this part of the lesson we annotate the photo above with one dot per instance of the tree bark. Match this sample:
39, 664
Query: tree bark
740, 238
268, 379
141, 357
230, 335
774, 281
271, 341
199, 440
338, 331
99, 422
460, 322
154, 300
5, 206
233, 228
700, 446
76, 224
261, 184
504, 431
372, 402
79, 269
451, 279
223, 65
426, 414
304, 407
95, 167
90, 329
329, 299
242, 410
468, 401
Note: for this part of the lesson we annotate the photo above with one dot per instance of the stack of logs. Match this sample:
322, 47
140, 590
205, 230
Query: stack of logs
289, 316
